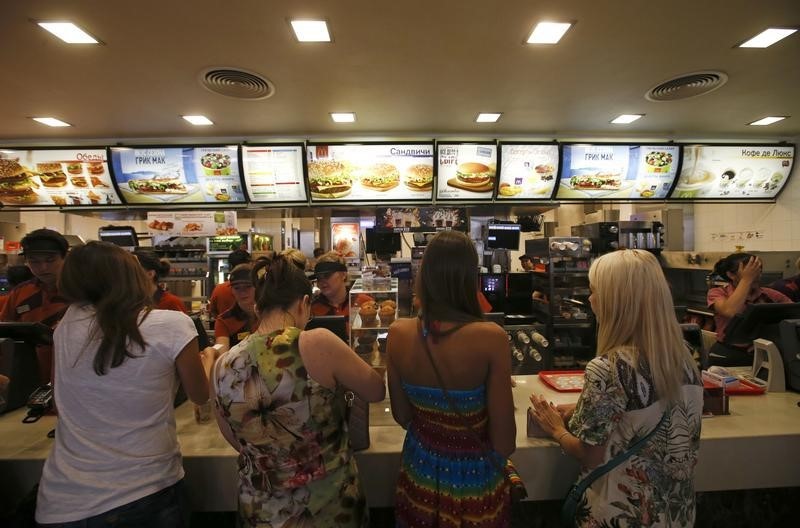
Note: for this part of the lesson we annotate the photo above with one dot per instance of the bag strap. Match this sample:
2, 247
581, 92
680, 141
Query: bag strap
488, 452
581, 487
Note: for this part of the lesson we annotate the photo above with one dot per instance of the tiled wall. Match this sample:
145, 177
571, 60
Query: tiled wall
777, 224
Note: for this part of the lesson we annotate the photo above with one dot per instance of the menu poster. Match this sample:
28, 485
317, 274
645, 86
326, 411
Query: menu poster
344, 239
527, 171
626, 172
726, 172
421, 219
466, 171
63, 177
370, 172
192, 223
274, 173
160, 175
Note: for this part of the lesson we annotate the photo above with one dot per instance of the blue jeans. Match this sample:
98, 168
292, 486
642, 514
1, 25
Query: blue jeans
162, 509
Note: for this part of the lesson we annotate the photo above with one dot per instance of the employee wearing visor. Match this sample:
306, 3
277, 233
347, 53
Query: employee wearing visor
238, 322
37, 300
331, 274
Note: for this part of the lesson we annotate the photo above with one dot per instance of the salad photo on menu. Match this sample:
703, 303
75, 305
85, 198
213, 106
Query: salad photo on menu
626, 172
178, 174
56, 178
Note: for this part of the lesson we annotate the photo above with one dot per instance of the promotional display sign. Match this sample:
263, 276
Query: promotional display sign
467, 171
623, 172
192, 223
344, 239
370, 172
274, 173
527, 171
726, 172
421, 219
181, 175
63, 177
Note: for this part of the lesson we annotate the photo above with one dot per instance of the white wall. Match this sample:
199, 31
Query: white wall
778, 223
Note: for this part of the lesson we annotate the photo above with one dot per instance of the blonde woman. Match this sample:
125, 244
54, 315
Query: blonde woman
642, 369
296, 257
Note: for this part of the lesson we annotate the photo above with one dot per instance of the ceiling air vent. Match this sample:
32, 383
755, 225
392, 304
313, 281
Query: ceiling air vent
236, 83
686, 86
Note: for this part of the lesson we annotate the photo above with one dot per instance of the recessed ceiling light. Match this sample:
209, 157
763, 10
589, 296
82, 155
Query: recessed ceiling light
51, 121
311, 30
767, 120
198, 120
488, 117
68, 32
343, 117
548, 32
624, 119
768, 37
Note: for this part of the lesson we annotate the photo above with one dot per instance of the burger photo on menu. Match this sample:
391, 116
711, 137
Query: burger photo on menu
328, 180
381, 177
473, 176
596, 179
96, 167
16, 185
51, 174
157, 185
419, 177
74, 167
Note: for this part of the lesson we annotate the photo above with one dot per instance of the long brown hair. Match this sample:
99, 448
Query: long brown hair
112, 281
279, 287
447, 284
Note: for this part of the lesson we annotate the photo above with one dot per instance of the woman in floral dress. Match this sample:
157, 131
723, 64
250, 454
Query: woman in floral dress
280, 403
642, 371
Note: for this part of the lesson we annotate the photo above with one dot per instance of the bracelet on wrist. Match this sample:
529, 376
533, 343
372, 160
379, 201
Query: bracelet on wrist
562, 435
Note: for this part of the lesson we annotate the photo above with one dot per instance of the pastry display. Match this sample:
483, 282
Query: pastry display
368, 313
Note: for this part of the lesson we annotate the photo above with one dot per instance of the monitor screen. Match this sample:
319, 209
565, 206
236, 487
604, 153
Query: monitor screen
751, 323
382, 242
502, 236
334, 323
124, 236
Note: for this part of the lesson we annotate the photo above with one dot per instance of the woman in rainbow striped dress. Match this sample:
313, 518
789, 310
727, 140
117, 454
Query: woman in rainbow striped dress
459, 420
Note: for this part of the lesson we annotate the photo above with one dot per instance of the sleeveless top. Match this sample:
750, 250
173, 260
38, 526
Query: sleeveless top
295, 463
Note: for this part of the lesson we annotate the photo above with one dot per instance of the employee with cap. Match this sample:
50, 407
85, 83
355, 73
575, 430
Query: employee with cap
37, 300
222, 298
331, 274
238, 322
526, 262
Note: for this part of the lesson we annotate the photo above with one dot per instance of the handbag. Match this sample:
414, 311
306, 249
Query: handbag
506, 468
357, 418
575, 493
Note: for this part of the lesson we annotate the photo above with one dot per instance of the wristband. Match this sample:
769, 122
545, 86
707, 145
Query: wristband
558, 440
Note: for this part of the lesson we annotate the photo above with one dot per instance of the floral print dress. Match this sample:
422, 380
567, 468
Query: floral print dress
655, 487
295, 465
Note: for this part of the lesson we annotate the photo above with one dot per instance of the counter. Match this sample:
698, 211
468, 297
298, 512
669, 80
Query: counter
756, 446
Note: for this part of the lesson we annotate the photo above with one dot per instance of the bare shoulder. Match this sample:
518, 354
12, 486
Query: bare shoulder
318, 337
403, 326
488, 330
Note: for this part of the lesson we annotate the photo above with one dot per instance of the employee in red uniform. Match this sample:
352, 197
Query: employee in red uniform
222, 298
15, 275
156, 269
235, 324
37, 300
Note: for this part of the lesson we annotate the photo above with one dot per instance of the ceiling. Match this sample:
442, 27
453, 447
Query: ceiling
407, 68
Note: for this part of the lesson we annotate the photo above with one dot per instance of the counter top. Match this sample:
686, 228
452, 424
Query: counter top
756, 446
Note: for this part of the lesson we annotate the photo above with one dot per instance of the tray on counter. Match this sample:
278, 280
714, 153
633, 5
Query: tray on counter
563, 380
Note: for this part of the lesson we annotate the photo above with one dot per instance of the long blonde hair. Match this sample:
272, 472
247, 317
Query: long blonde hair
635, 314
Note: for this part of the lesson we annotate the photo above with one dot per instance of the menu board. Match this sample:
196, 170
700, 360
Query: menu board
623, 172
192, 223
467, 171
421, 219
733, 172
370, 172
527, 171
181, 175
274, 173
62, 177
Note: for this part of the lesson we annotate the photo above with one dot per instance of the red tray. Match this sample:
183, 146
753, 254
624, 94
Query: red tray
745, 388
563, 380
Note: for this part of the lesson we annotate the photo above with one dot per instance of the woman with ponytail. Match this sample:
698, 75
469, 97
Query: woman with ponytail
156, 269
449, 387
116, 459
643, 378
280, 403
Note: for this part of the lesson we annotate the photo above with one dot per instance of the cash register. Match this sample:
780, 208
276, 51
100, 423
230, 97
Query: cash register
19, 374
